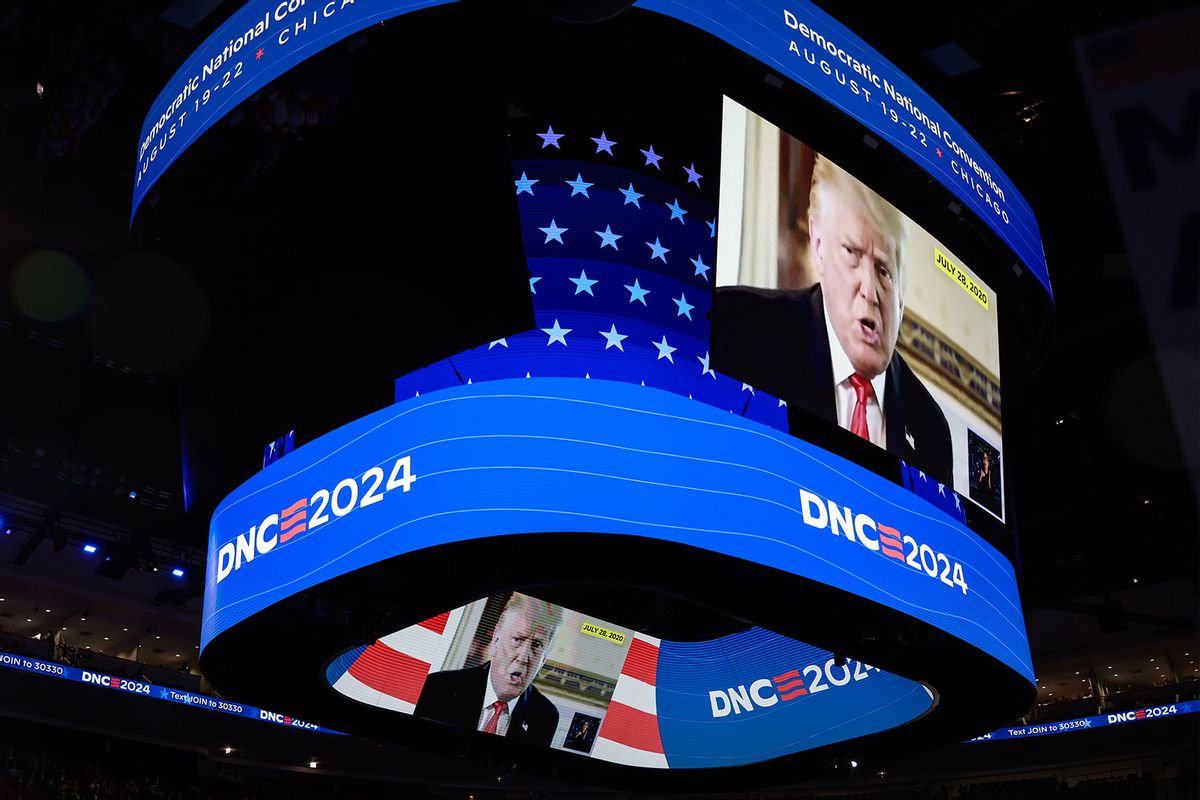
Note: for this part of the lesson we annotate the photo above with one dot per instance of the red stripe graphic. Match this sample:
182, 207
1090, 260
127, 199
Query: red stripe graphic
294, 507
633, 728
793, 695
436, 624
292, 520
888, 540
787, 687
641, 662
786, 676
896, 554
301, 528
889, 531
389, 671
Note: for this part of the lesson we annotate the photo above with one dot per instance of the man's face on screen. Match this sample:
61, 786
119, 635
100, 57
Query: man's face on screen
518, 652
857, 263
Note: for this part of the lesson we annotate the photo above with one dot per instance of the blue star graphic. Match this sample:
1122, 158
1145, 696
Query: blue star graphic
502, 342
701, 267
652, 158
163, 694
685, 308
583, 284
676, 211
554, 233
525, 184
579, 186
693, 176
631, 195
636, 292
532, 281
657, 250
613, 339
603, 144
556, 334
707, 370
608, 238
664, 350
712, 227
550, 138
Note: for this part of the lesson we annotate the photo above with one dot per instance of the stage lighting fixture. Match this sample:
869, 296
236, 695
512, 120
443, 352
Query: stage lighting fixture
132, 495
177, 572
89, 548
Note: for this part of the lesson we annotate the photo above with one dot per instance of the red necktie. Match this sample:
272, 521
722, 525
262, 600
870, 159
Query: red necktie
499, 708
864, 392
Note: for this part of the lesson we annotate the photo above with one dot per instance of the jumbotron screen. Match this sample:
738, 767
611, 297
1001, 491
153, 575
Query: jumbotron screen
515, 666
831, 298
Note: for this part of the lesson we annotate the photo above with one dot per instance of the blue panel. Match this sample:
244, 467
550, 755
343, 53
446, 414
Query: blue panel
813, 49
568, 454
263, 40
756, 695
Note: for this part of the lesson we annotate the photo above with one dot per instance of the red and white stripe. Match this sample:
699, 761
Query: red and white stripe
391, 672
629, 733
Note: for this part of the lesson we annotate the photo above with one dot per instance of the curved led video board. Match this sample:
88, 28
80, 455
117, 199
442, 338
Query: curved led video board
810, 47
561, 454
574, 683
265, 38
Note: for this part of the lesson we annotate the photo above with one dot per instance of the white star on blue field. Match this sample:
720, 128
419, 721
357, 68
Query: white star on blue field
665, 350
556, 334
657, 250
676, 211
525, 184
613, 338
631, 195
554, 233
579, 186
608, 238
583, 284
636, 292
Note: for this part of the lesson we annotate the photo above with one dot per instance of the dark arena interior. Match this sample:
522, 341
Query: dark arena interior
631, 398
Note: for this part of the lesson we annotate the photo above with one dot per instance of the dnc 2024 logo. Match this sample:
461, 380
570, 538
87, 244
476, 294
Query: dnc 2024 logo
308, 513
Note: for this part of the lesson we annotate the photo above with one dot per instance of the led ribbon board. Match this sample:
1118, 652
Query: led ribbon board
1093, 722
810, 47
152, 691
260, 42
560, 454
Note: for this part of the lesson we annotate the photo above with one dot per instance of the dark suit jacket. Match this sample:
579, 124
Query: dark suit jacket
776, 340
456, 697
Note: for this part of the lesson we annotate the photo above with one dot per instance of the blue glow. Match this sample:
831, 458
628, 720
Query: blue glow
177, 572
89, 548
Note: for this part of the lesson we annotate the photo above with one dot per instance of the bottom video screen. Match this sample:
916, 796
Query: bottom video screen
516, 666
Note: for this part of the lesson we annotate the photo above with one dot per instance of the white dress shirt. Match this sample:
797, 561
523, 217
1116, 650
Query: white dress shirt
844, 396
489, 697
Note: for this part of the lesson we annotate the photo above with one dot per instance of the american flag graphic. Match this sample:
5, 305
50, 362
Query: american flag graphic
629, 733
621, 265
391, 672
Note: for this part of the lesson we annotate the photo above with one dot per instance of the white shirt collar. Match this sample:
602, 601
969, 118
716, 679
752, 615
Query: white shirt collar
489, 695
842, 368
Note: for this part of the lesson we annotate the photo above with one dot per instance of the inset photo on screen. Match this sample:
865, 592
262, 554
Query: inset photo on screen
986, 487
831, 299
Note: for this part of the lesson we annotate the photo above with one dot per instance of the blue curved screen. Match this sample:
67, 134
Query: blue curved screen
561, 454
